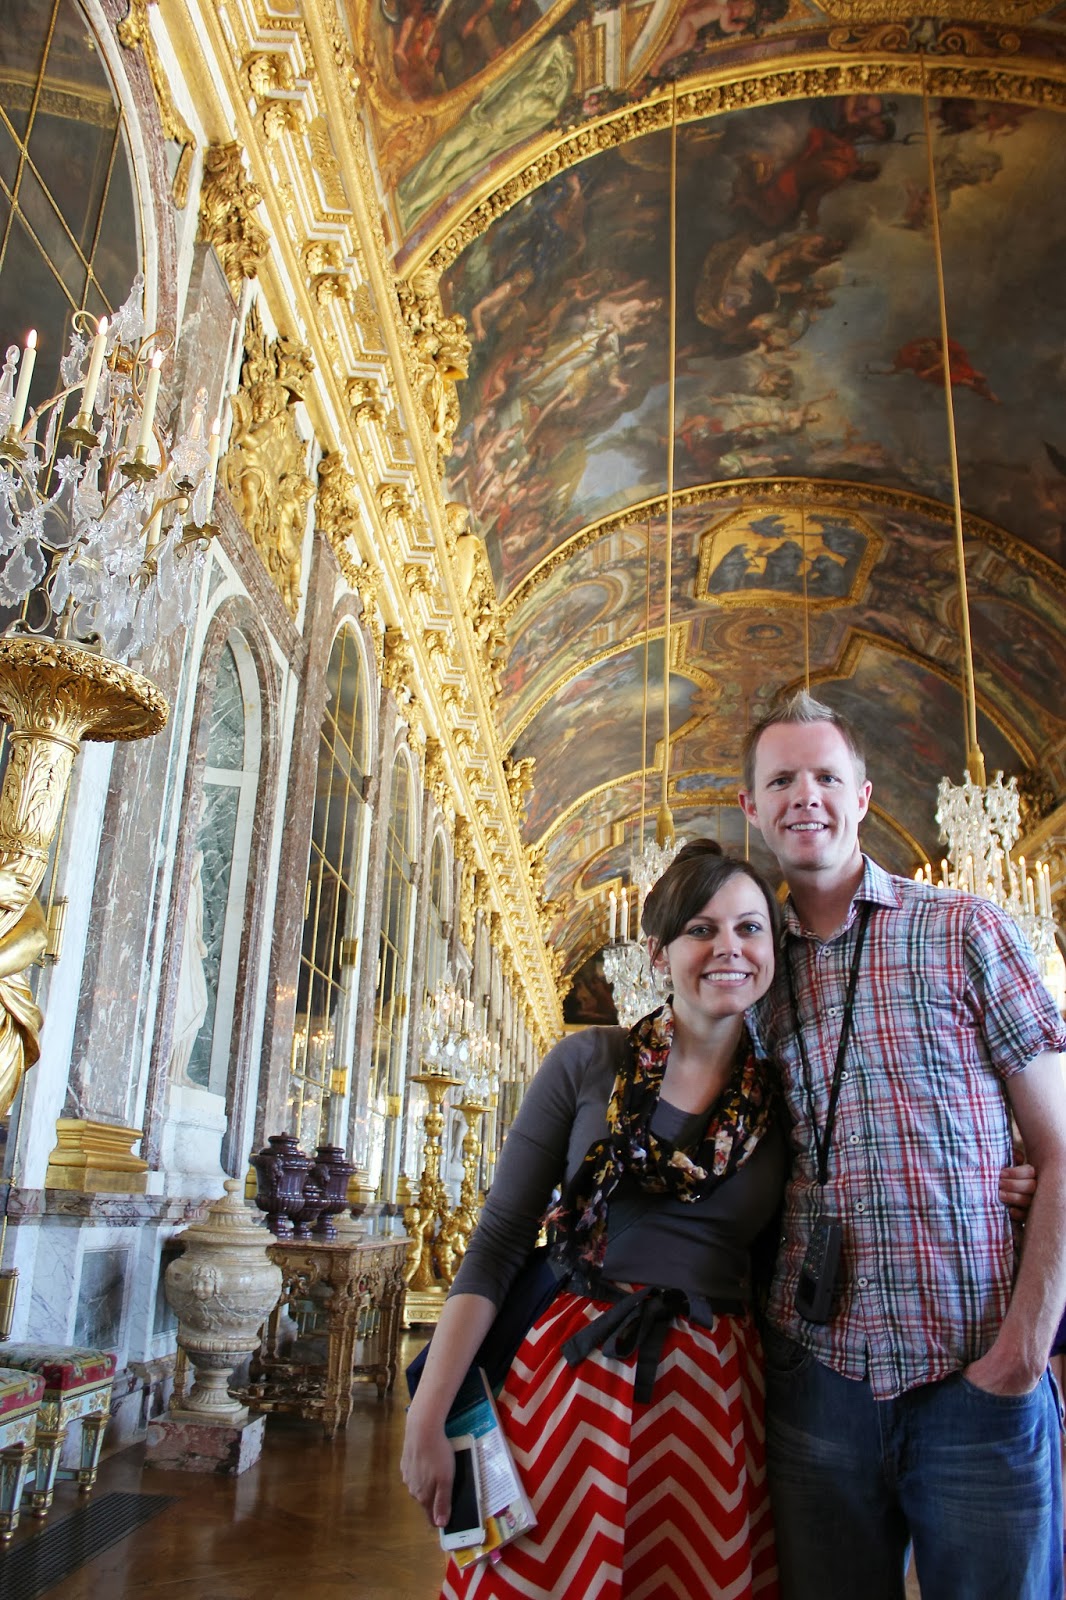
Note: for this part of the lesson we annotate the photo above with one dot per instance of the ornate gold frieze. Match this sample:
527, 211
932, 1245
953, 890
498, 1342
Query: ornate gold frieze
228, 202
920, 33
135, 32
441, 351
265, 470
736, 89
368, 322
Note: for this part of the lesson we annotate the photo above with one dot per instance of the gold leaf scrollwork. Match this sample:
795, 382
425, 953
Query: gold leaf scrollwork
228, 202
396, 660
265, 470
338, 513
135, 32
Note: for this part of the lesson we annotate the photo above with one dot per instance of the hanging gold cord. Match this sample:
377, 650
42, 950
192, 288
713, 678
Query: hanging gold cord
975, 761
806, 606
664, 832
644, 715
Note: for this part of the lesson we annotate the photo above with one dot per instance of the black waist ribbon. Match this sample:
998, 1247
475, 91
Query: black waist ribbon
637, 1322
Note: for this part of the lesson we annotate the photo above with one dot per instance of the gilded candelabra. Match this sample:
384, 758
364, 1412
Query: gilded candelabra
429, 1225
469, 1194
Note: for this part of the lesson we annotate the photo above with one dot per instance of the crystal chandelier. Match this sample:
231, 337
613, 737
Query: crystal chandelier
980, 821
104, 520
456, 1044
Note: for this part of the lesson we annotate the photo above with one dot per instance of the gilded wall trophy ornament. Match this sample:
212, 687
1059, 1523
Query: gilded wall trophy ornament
265, 470
228, 203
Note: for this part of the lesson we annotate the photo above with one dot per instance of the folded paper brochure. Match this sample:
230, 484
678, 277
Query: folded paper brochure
505, 1507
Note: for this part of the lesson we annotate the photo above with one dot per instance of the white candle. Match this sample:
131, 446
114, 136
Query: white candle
625, 915
96, 365
614, 915
151, 395
22, 393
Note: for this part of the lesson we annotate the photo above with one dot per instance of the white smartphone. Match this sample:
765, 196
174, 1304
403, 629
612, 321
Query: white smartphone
464, 1526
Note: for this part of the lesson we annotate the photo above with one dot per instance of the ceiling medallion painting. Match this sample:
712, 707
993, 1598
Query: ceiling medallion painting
785, 557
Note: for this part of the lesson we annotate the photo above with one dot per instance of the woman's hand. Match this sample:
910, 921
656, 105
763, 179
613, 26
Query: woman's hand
427, 1466
1017, 1186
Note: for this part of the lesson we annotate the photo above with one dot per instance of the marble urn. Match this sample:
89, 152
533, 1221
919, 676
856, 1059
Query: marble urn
222, 1287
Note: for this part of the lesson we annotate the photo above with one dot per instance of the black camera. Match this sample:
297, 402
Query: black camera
818, 1274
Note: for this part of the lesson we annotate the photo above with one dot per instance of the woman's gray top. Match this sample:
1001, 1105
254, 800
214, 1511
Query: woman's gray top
699, 1247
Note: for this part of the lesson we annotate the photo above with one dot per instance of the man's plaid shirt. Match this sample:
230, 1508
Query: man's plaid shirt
948, 1005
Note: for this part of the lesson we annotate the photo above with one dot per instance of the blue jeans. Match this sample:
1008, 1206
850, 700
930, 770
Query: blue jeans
972, 1480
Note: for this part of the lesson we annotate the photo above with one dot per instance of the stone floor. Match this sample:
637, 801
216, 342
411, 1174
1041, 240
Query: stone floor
326, 1521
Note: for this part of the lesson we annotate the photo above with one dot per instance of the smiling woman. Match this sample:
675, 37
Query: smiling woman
664, 1142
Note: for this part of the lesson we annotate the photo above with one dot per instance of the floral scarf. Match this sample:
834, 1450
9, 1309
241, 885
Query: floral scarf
737, 1122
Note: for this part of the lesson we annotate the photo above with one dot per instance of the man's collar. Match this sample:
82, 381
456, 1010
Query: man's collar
876, 887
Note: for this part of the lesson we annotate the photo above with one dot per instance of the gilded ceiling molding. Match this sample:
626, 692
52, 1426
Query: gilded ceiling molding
806, 77
228, 203
519, 775
809, 493
265, 468
435, 772
135, 32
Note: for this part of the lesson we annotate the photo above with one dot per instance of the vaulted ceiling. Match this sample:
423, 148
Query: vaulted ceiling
524, 151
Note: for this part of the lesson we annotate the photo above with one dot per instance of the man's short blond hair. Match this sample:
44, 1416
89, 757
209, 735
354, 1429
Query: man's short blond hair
802, 708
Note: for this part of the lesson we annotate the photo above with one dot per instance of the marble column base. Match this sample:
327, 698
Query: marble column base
182, 1441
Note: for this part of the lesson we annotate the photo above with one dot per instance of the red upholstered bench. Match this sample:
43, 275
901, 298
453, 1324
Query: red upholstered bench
76, 1386
20, 1401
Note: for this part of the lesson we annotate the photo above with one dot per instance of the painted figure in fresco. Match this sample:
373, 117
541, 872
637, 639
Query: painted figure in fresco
440, 44
778, 197
521, 105
924, 358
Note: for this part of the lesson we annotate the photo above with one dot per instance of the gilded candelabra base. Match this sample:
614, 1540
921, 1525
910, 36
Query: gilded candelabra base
53, 694
469, 1195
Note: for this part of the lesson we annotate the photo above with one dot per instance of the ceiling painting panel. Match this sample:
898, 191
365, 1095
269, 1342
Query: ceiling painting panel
807, 331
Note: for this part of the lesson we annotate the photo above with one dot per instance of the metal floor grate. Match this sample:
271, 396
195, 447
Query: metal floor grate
32, 1568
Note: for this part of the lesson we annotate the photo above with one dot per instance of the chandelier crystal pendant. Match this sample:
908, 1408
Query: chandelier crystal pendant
980, 822
104, 521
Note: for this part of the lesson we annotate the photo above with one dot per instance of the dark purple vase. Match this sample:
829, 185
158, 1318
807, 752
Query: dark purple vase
304, 1212
281, 1170
331, 1172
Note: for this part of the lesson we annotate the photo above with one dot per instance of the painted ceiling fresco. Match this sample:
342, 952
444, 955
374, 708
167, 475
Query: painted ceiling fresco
812, 517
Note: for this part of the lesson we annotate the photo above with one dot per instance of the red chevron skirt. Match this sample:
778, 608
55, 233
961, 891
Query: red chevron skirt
635, 1502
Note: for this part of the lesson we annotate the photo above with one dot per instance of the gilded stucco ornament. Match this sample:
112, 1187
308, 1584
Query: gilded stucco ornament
265, 470
518, 775
441, 351
268, 72
338, 513
228, 203
396, 661
434, 771
135, 32
364, 396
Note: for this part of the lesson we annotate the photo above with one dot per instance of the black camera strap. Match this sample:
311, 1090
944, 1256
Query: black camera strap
823, 1141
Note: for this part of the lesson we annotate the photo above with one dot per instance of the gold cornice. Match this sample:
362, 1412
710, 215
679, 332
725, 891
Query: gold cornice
810, 493
814, 75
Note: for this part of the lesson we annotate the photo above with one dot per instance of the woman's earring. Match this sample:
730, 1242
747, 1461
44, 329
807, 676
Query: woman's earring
662, 978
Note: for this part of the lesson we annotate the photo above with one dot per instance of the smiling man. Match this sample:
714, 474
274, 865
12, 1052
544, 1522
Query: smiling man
908, 1400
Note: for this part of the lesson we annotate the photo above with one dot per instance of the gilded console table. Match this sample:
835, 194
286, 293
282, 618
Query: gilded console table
338, 1319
